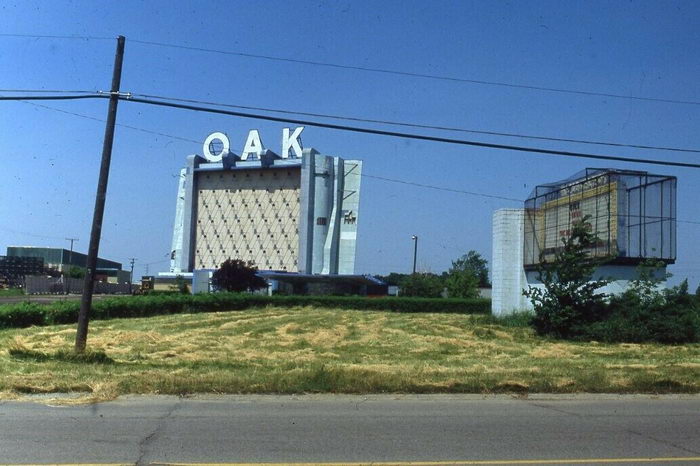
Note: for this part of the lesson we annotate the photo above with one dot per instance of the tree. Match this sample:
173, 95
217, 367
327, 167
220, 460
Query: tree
393, 278
76, 272
474, 263
181, 285
462, 283
237, 275
569, 299
426, 285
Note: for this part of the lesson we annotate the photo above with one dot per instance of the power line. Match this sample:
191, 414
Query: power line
55, 97
418, 75
391, 180
362, 130
35, 36
364, 120
440, 188
410, 135
422, 126
49, 91
101, 120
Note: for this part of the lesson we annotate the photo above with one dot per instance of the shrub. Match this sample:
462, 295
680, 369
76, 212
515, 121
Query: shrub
425, 285
66, 312
21, 315
647, 314
569, 300
237, 275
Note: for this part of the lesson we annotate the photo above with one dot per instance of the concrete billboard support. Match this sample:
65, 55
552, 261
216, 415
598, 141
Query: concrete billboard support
508, 274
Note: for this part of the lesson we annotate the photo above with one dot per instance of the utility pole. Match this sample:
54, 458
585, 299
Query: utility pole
70, 264
131, 275
95, 233
415, 251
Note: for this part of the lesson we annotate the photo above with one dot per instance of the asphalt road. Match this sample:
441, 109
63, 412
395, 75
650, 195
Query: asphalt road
142, 430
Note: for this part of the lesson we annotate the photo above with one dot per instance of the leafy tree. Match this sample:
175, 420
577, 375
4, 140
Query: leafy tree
237, 275
181, 285
569, 299
462, 283
426, 285
474, 263
393, 278
697, 291
76, 272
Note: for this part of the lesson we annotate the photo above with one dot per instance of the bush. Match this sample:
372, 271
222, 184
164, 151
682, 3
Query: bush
668, 316
570, 308
21, 315
425, 285
569, 300
237, 275
27, 314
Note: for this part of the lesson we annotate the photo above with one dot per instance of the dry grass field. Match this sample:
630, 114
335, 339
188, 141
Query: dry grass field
310, 350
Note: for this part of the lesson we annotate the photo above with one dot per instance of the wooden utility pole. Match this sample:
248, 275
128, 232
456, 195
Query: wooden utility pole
95, 233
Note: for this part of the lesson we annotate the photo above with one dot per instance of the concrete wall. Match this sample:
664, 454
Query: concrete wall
350, 216
507, 273
65, 285
620, 275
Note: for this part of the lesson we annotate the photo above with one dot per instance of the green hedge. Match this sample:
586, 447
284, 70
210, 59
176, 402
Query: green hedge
27, 314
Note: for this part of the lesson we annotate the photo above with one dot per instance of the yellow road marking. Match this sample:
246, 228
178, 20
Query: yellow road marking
66, 464
457, 463
400, 463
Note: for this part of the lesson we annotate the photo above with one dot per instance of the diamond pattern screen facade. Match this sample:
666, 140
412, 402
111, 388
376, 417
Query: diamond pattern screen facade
252, 215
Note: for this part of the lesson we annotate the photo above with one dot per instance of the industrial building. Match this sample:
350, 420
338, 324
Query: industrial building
62, 260
631, 213
296, 211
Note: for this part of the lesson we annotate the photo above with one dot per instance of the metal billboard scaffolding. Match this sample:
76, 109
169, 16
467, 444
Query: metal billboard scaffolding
631, 213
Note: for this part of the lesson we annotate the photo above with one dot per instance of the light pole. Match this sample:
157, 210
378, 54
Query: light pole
70, 263
131, 274
415, 251
70, 256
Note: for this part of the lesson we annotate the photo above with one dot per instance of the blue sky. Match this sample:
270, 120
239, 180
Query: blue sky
49, 160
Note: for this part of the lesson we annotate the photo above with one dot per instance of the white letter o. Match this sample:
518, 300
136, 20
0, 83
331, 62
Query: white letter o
224, 151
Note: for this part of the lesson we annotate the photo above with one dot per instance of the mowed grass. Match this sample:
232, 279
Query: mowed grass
310, 350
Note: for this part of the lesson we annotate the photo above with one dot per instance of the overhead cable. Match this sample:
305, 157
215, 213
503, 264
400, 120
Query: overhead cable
49, 91
392, 180
418, 75
121, 125
54, 97
409, 135
36, 36
422, 126
440, 188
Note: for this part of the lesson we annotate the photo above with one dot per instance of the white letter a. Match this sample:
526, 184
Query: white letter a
253, 145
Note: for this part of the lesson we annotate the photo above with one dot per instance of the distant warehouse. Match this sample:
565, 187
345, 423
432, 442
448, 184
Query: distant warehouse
62, 260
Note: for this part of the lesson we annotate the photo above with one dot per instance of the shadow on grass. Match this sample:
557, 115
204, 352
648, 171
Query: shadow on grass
88, 357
